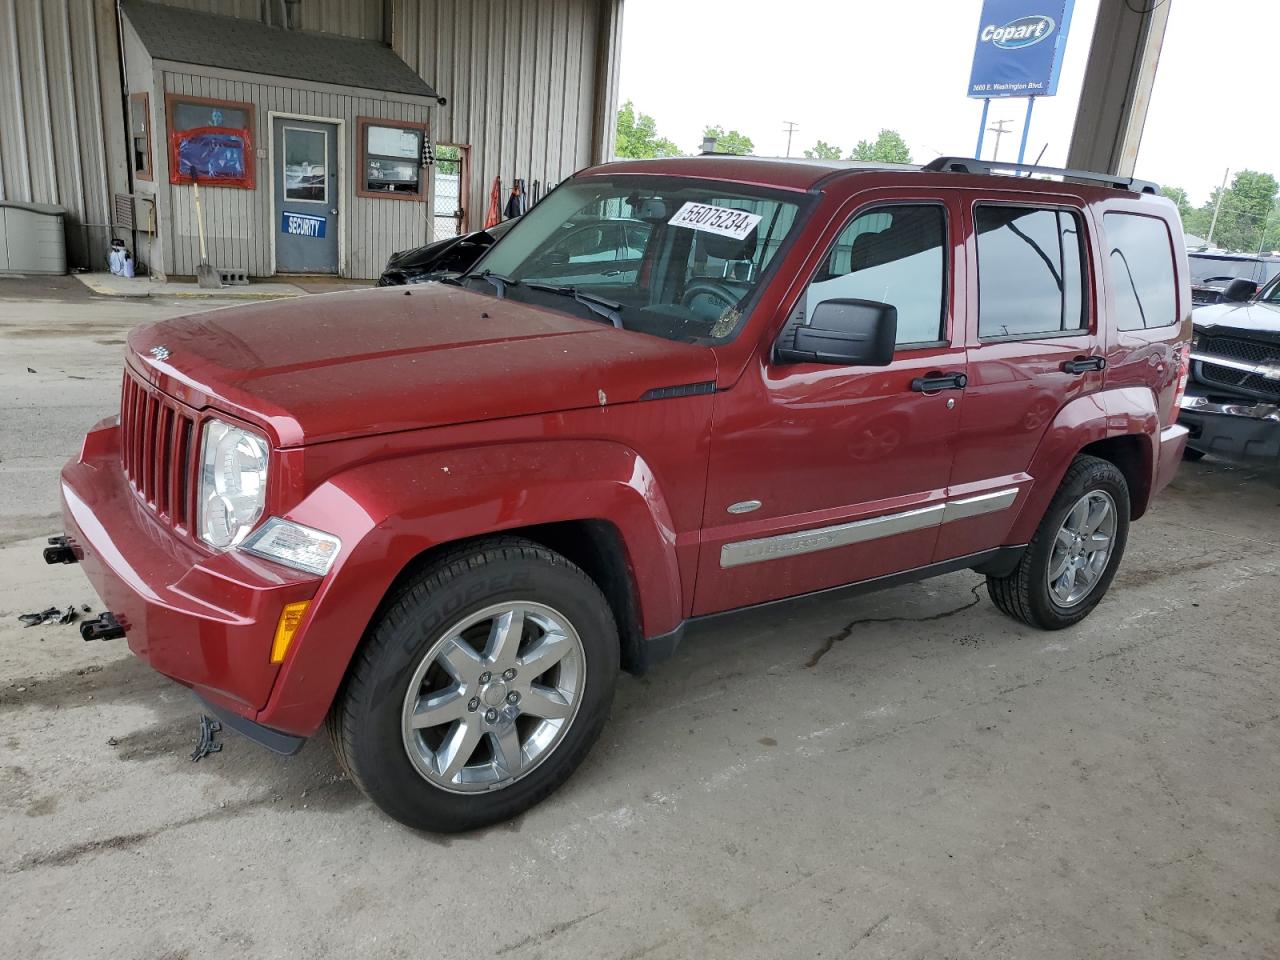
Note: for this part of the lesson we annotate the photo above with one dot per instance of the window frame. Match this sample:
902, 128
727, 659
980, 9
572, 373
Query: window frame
141, 101
1173, 264
362, 157
948, 271
1087, 307
249, 180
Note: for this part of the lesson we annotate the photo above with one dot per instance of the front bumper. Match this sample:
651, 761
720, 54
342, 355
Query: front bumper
1240, 429
202, 618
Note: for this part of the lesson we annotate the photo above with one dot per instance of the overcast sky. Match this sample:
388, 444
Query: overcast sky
843, 69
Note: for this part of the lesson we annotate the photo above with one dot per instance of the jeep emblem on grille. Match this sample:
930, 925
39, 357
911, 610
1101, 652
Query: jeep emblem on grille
160, 353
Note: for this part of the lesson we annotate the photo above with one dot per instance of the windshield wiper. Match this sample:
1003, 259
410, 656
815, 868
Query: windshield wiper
611, 310
500, 283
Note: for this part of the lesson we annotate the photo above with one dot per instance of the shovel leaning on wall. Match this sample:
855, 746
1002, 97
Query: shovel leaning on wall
206, 276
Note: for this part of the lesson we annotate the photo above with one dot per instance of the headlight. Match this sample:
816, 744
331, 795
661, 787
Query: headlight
233, 483
303, 548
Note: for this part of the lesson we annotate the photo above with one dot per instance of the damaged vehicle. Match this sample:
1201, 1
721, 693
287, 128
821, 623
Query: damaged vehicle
435, 521
449, 257
1232, 404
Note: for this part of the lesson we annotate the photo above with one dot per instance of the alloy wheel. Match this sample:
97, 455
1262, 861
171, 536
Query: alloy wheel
493, 697
1082, 548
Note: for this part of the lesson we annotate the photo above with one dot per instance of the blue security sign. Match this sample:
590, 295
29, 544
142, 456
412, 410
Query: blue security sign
1019, 48
301, 225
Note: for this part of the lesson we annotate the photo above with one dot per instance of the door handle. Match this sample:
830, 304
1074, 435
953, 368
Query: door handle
1084, 364
939, 381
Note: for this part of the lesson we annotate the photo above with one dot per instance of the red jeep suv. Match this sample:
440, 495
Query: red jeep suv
438, 519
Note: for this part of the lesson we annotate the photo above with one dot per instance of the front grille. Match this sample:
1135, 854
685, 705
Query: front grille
1240, 382
157, 450
1234, 348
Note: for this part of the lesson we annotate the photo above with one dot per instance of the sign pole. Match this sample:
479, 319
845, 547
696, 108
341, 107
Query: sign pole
1026, 129
982, 127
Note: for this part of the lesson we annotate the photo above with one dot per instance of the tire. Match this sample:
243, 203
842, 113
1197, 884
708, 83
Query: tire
418, 641
1026, 593
1192, 454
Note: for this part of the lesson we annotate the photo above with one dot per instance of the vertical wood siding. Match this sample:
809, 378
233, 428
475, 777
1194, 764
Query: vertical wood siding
522, 82
239, 224
61, 139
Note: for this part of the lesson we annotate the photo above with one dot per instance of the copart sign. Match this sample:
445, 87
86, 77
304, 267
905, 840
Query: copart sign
1019, 48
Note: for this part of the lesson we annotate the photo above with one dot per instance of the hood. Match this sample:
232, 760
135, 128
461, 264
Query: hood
1253, 317
344, 365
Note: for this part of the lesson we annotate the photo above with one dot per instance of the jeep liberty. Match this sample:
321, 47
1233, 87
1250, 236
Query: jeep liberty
438, 519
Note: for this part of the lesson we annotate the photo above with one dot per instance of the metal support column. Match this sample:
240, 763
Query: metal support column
1121, 70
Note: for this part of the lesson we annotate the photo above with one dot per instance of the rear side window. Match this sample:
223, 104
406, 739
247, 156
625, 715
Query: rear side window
1140, 261
893, 255
1030, 281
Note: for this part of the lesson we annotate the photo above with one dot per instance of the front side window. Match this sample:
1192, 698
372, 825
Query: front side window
893, 255
1140, 261
210, 142
1030, 280
391, 159
672, 257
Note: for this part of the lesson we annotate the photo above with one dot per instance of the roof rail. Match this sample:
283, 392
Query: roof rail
970, 165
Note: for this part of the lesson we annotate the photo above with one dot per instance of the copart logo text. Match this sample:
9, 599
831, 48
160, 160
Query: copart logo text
1022, 32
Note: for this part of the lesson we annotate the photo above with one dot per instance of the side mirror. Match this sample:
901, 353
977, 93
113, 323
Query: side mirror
1240, 290
855, 333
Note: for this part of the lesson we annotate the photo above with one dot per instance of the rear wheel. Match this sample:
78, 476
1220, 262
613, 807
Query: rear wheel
1072, 559
480, 689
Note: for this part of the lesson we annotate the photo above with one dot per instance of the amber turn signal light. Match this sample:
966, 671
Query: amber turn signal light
290, 617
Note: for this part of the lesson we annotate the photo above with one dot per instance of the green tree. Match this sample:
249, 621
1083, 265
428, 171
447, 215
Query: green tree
729, 142
1179, 197
888, 147
823, 151
638, 136
1248, 211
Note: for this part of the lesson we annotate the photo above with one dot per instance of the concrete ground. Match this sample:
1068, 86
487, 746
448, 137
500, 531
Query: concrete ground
906, 774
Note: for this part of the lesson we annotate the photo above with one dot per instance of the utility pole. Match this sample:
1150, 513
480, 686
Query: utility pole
1217, 206
998, 129
789, 130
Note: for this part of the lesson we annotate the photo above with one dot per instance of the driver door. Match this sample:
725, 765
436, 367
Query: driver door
824, 475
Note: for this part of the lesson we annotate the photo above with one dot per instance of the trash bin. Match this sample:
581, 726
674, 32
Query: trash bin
32, 239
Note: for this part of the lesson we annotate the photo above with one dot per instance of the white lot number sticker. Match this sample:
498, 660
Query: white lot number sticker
728, 223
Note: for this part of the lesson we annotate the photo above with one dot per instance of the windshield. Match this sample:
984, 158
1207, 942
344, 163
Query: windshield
672, 257
1271, 292
1207, 269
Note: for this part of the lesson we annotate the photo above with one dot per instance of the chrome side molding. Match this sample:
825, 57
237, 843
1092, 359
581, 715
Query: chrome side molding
860, 531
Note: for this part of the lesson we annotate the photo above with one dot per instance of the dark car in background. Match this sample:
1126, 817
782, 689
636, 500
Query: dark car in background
599, 251
1212, 272
441, 258
1232, 403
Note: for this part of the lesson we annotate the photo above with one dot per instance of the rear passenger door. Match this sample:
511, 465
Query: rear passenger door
1032, 347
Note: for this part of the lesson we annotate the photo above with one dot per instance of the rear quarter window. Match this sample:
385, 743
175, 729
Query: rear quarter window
1140, 263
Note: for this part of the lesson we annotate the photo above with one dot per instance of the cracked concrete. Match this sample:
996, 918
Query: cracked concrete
901, 774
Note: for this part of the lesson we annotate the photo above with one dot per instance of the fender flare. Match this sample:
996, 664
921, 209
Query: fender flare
390, 512
1105, 415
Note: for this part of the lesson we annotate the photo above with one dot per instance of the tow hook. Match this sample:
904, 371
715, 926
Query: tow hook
104, 627
60, 551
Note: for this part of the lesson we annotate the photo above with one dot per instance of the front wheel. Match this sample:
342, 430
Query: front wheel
480, 689
1072, 559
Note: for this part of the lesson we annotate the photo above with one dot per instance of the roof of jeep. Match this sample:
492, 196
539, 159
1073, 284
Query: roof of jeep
802, 175
786, 174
